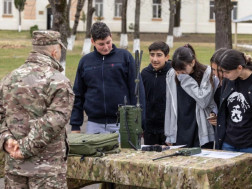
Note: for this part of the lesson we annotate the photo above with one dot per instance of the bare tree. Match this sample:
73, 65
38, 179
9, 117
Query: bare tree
68, 9
177, 29
136, 45
19, 4
169, 39
71, 39
87, 41
61, 24
223, 33
124, 36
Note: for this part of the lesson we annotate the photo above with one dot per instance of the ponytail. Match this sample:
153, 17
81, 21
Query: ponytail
231, 59
248, 60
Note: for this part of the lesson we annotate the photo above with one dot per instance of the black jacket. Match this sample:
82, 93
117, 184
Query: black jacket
227, 88
101, 84
155, 95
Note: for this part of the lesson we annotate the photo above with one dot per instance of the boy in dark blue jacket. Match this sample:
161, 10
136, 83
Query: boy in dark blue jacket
154, 80
104, 77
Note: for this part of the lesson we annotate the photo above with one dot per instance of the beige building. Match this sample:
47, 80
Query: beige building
197, 16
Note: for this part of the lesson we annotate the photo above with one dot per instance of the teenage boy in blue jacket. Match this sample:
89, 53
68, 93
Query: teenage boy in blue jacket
104, 77
154, 80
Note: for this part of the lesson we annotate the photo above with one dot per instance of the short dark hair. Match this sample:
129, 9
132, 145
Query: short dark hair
160, 45
99, 30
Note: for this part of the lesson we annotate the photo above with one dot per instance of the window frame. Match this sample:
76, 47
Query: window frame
156, 9
211, 10
118, 9
234, 11
99, 8
7, 7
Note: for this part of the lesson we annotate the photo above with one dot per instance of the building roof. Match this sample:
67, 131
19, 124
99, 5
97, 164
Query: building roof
247, 19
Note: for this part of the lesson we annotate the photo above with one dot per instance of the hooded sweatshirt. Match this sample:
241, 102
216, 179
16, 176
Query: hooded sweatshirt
155, 89
203, 95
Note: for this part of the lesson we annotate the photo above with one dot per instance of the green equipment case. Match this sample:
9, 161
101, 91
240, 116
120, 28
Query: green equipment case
93, 144
130, 126
130, 115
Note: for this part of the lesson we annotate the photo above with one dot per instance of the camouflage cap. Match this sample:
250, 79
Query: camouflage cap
48, 37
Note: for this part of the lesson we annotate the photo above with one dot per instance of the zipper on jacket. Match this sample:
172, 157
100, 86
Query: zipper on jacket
103, 88
155, 79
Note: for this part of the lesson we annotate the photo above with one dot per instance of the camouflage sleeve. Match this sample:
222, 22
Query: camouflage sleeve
4, 132
46, 128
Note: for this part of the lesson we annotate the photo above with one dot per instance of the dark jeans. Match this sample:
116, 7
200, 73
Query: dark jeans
228, 147
152, 139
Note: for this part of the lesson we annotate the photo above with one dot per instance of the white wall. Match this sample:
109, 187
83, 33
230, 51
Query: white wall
194, 17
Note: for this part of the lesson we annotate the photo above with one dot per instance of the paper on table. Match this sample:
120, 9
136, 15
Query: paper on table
178, 146
217, 154
171, 147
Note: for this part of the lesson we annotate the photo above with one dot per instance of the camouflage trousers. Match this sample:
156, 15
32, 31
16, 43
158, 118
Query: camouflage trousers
22, 182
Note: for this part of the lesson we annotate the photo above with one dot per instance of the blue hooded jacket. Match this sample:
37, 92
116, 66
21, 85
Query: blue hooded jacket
101, 83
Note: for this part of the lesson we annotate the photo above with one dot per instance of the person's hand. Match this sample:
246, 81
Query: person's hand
212, 119
75, 131
168, 144
17, 154
11, 145
180, 72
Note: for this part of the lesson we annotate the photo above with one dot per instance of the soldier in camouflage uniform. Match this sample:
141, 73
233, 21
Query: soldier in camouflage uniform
35, 105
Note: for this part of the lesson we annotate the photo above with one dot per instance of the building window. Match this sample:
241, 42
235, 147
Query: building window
212, 14
118, 8
233, 13
7, 7
99, 8
156, 9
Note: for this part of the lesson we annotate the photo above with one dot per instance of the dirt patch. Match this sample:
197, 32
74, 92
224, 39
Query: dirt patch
11, 46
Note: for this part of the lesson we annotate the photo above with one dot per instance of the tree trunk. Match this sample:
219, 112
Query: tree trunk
223, 33
19, 26
177, 29
68, 14
124, 36
169, 39
59, 11
79, 7
71, 39
87, 41
136, 44
89, 18
177, 13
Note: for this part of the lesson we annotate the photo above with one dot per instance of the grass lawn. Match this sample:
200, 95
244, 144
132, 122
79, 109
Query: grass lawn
15, 48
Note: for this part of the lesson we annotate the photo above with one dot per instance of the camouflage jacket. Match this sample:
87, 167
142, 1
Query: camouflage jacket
35, 105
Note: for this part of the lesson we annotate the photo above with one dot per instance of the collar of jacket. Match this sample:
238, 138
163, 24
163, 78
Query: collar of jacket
44, 59
163, 70
228, 87
110, 53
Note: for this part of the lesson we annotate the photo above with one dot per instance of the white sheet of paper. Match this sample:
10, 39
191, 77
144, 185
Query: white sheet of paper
217, 154
178, 146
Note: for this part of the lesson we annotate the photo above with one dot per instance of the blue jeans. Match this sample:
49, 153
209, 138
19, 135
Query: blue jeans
228, 147
93, 127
